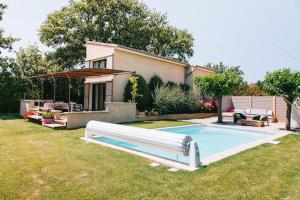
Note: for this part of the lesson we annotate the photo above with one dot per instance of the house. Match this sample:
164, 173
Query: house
110, 88
106, 73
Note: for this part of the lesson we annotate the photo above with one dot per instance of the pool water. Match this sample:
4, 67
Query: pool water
210, 141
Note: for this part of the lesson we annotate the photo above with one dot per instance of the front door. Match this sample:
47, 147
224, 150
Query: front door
98, 97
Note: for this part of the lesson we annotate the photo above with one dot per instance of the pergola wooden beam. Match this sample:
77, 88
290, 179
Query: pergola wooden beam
76, 74
80, 73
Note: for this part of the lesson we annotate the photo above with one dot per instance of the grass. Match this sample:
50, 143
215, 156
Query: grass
40, 163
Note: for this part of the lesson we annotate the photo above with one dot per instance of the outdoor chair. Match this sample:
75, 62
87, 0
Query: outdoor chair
77, 107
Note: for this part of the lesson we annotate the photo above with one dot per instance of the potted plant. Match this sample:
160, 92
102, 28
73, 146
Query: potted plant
47, 118
28, 114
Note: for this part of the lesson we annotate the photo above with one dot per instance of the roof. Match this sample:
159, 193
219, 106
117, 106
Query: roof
122, 47
203, 68
80, 73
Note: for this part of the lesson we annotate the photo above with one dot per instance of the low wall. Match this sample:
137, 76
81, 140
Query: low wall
116, 112
295, 122
177, 116
25, 105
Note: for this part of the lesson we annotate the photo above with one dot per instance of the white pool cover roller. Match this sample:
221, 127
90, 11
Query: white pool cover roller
167, 141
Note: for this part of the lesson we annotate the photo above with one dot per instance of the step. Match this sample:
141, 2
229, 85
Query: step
55, 126
61, 121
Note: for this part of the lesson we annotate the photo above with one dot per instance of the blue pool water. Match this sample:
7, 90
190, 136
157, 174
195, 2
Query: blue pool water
210, 141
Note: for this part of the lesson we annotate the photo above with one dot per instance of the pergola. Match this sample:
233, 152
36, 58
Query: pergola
74, 74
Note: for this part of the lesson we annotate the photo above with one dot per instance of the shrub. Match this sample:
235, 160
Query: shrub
155, 82
171, 84
170, 100
48, 115
208, 105
184, 87
143, 99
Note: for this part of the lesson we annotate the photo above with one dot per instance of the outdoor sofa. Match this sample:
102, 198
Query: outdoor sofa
251, 113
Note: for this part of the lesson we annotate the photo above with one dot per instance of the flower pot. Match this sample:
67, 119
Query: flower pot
47, 121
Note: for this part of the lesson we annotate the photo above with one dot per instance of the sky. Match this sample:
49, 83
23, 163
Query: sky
257, 35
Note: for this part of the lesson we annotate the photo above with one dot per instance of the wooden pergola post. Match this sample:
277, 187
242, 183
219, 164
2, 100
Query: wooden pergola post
69, 100
54, 91
42, 85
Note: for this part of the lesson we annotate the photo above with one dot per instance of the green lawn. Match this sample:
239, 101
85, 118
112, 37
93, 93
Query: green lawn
40, 163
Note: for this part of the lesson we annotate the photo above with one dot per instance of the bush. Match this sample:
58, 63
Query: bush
155, 82
184, 87
171, 84
171, 100
208, 105
143, 101
48, 115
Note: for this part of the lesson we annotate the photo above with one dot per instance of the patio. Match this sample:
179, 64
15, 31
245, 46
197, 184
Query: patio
72, 114
272, 128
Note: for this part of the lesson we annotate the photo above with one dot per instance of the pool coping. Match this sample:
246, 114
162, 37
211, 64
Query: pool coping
157, 159
204, 161
227, 153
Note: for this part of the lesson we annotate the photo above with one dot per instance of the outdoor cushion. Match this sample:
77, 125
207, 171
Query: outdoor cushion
256, 117
269, 112
239, 111
258, 111
248, 111
238, 116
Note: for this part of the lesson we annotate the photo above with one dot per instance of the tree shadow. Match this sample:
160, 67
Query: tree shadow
10, 116
146, 122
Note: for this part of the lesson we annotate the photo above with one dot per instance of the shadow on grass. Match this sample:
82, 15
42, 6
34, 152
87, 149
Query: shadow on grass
10, 116
148, 122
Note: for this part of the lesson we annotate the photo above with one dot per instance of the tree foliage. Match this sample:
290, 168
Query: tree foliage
173, 100
8, 81
143, 95
249, 90
127, 22
221, 68
155, 82
283, 83
218, 85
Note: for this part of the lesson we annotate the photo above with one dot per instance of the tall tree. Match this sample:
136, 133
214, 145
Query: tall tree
8, 96
127, 22
252, 89
221, 68
284, 83
218, 85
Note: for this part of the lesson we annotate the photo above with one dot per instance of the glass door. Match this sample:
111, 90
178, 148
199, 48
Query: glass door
98, 97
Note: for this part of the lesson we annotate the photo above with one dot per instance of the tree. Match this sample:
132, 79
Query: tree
155, 82
9, 95
218, 85
221, 68
127, 22
249, 90
142, 94
284, 83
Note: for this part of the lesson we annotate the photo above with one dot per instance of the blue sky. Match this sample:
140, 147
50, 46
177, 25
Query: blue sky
259, 35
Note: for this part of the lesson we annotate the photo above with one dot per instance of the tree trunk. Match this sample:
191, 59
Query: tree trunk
220, 117
288, 117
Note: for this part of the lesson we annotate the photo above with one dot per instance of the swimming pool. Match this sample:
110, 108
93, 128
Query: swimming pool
211, 141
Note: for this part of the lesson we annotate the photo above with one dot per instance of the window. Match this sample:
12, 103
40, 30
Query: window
99, 64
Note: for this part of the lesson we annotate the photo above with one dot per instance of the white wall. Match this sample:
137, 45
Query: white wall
25, 105
116, 112
295, 122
